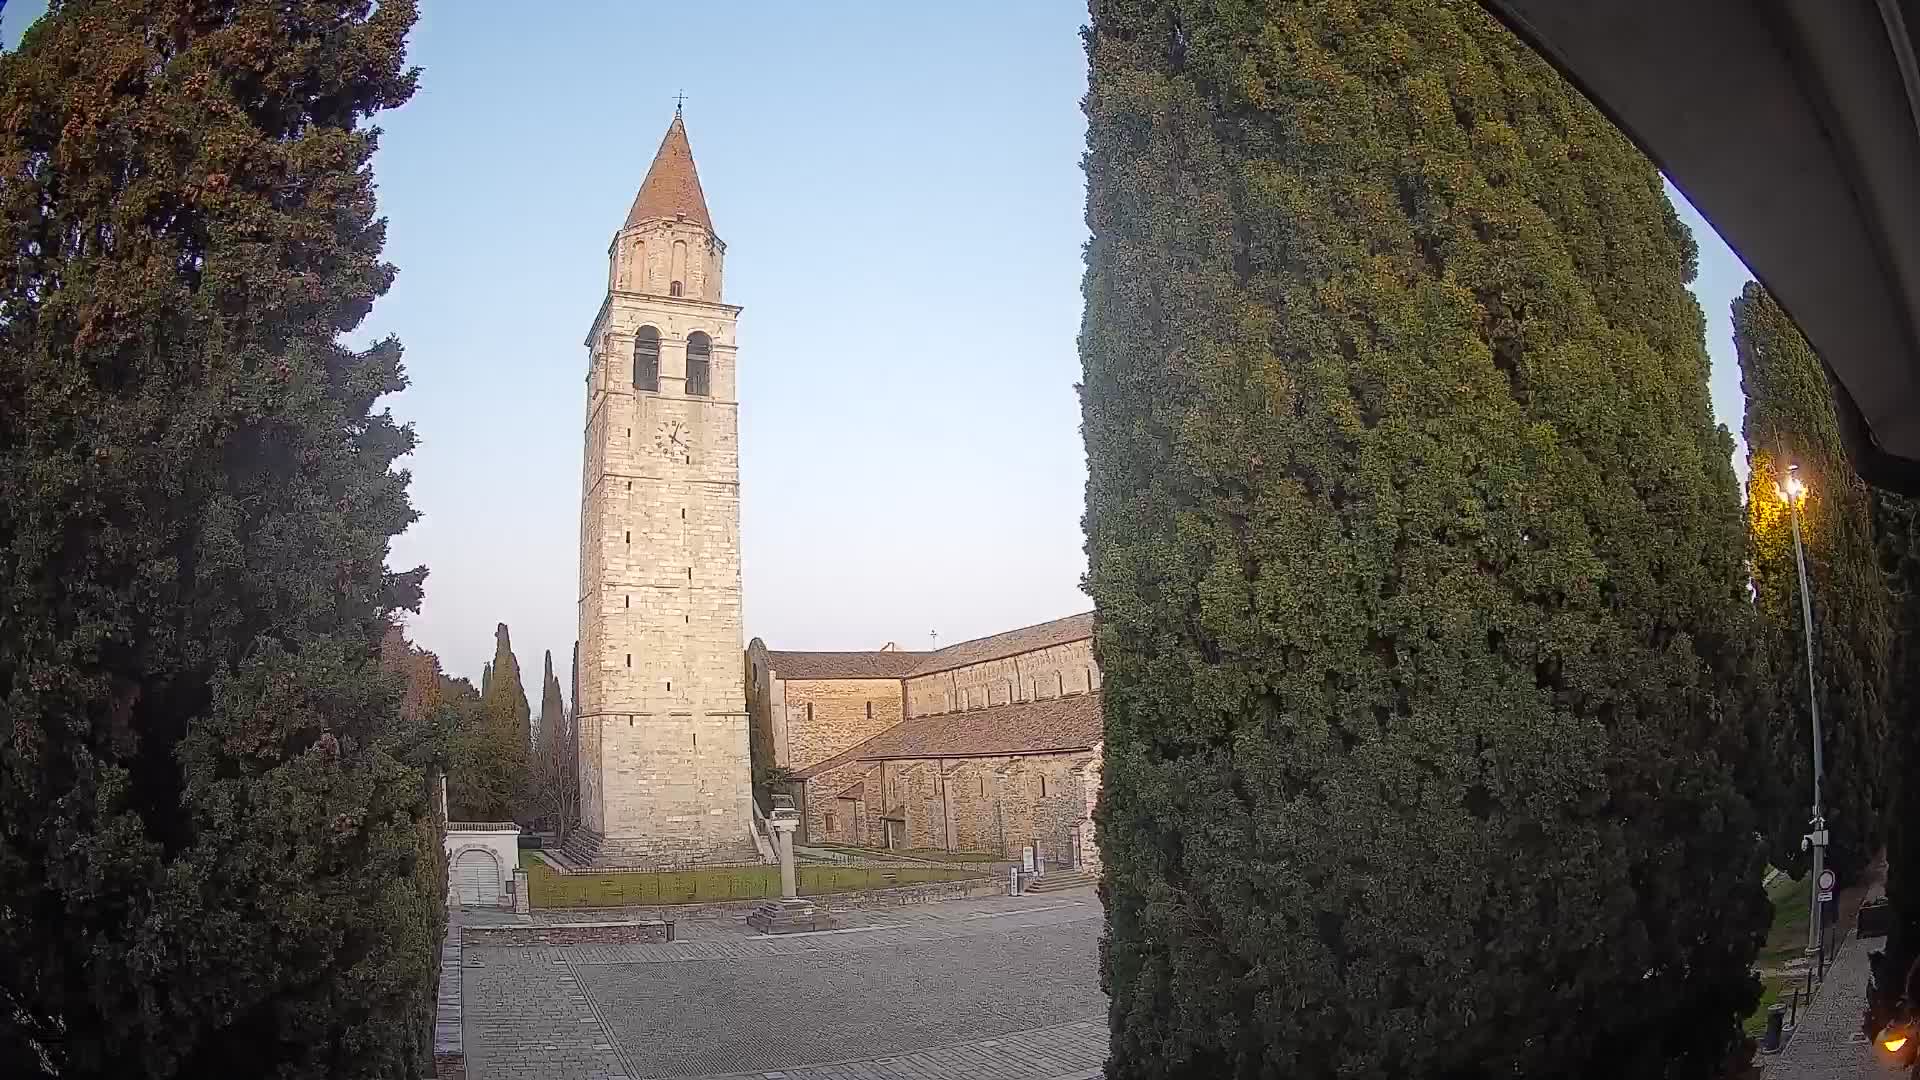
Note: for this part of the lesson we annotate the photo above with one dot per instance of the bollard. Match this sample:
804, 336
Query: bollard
1794, 1020
1013, 881
1776, 1021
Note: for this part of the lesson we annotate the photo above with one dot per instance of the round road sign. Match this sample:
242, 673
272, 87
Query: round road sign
1826, 881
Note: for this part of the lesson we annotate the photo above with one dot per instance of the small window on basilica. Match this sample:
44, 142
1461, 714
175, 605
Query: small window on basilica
674, 289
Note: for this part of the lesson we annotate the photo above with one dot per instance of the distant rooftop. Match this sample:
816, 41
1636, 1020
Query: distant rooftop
874, 664
896, 664
1053, 725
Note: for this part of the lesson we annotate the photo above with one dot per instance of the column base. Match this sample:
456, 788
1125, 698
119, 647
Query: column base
792, 915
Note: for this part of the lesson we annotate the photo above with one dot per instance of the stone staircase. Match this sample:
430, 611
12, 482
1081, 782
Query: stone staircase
1060, 880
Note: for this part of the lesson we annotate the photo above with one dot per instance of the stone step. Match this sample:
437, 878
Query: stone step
1057, 880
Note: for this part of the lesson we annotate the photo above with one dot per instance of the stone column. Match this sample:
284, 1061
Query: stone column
783, 828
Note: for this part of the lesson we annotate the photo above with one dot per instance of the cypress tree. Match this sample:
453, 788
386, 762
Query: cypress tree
217, 855
504, 696
1897, 537
1790, 419
1418, 562
490, 754
478, 787
553, 784
553, 712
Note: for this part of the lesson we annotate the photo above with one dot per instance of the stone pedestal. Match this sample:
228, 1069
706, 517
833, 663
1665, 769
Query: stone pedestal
522, 903
789, 916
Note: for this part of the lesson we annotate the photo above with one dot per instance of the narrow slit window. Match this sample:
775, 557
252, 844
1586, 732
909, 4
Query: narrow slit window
869, 710
629, 659
1043, 787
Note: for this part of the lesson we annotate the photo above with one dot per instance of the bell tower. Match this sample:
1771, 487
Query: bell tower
664, 774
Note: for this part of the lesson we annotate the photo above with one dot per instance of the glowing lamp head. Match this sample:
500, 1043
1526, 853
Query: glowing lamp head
1893, 1043
1794, 489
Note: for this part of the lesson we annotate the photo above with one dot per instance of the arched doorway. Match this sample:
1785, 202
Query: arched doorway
476, 878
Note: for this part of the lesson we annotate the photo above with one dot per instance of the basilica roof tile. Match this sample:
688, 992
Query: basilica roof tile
897, 664
1011, 643
1053, 725
841, 665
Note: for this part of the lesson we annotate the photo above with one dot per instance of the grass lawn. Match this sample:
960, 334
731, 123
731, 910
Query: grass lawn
1786, 940
547, 888
1787, 936
1772, 988
929, 854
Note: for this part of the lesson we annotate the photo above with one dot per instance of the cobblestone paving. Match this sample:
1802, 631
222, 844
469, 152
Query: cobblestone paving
532, 1025
1000, 989
1828, 1043
1067, 1052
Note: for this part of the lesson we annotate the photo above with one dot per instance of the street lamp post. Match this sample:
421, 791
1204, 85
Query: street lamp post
1794, 493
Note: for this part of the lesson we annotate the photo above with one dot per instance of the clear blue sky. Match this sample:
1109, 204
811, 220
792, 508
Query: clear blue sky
899, 187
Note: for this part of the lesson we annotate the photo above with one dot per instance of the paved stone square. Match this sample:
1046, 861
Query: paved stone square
1828, 1044
1005, 988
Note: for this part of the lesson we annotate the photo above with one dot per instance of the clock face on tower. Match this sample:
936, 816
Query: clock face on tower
672, 441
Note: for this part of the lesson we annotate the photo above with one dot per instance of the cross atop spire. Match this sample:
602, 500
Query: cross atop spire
672, 186
679, 99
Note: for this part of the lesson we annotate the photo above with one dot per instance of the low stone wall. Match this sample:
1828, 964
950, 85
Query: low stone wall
636, 932
449, 1048
913, 894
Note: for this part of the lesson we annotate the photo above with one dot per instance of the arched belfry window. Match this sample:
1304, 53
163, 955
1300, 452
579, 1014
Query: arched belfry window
675, 289
646, 359
699, 365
